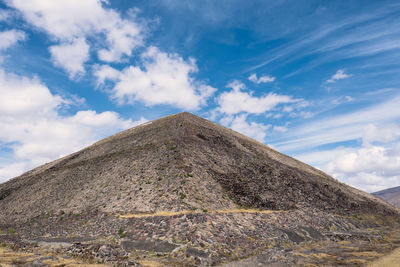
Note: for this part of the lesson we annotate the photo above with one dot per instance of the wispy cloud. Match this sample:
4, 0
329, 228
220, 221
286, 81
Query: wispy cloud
359, 36
10, 38
309, 40
338, 128
262, 79
4, 14
339, 75
361, 148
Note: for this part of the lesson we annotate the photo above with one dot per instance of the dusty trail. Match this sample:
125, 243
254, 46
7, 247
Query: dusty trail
391, 260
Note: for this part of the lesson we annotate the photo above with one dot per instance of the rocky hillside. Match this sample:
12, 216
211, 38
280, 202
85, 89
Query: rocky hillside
391, 195
194, 191
180, 162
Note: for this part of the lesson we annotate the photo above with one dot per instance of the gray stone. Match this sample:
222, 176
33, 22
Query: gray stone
313, 233
156, 246
37, 263
195, 252
293, 236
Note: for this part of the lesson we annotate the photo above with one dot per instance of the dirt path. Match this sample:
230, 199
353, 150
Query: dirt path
390, 260
173, 213
393, 258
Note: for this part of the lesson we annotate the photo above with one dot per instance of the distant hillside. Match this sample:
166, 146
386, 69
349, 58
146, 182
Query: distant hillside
391, 195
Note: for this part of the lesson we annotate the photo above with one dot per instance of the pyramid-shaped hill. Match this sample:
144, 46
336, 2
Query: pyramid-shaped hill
178, 163
183, 191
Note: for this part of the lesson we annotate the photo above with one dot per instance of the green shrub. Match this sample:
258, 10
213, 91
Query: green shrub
11, 231
121, 232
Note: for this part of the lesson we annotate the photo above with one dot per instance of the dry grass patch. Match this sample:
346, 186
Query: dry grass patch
157, 214
174, 213
149, 263
246, 211
390, 260
355, 262
13, 258
8, 257
366, 254
322, 256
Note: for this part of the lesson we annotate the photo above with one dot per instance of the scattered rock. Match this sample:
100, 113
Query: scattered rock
190, 251
37, 263
156, 246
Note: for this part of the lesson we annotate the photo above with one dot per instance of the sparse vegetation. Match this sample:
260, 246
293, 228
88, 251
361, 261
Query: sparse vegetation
11, 231
121, 232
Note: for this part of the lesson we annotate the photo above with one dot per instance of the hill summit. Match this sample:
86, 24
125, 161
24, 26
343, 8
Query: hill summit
176, 166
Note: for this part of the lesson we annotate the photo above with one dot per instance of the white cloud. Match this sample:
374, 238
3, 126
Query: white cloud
22, 96
11, 170
104, 73
71, 56
107, 118
36, 132
63, 19
280, 129
363, 159
373, 182
301, 114
381, 134
5, 14
10, 38
49, 138
288, 109
369, 168
342, 100
164, 79
371, 160
122, 38
338, 128
263, 79
70, 20
253, 129
237, 101
339, 75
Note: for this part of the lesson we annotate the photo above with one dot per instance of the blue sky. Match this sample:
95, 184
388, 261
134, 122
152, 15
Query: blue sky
317, 80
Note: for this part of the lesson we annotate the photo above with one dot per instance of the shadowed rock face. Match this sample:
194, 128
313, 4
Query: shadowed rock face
180, 162
391, 195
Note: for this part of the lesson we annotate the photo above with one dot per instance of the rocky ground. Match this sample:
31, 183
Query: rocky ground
207, 238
